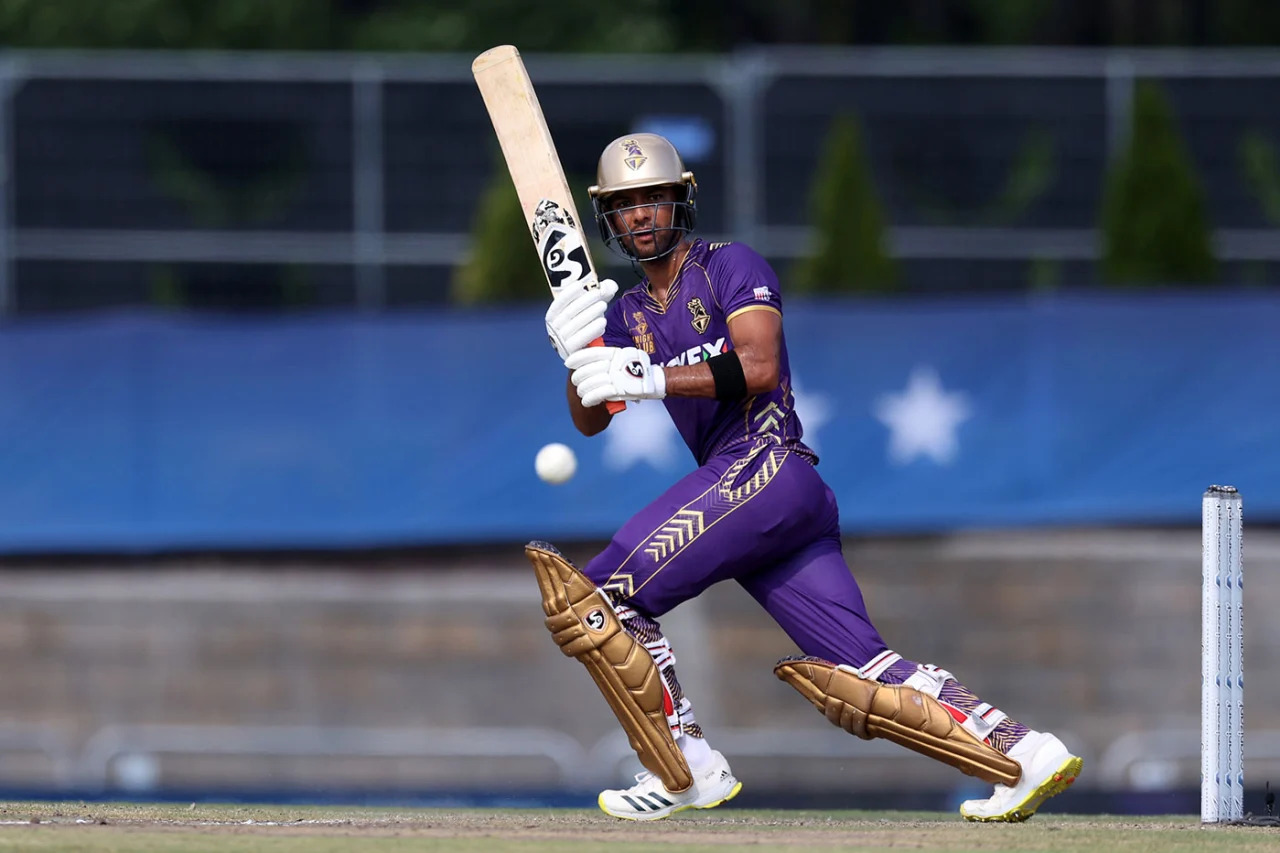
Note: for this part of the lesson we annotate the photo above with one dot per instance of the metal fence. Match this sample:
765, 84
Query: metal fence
122, 171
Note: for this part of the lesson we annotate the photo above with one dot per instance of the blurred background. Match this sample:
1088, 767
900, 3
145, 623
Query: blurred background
273, 373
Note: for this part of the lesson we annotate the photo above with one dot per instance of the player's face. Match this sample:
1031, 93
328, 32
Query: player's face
642, 218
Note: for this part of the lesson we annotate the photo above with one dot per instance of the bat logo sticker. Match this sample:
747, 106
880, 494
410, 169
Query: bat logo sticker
564, 258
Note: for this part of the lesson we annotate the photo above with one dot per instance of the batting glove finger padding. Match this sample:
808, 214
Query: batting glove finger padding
598, 391
576, 316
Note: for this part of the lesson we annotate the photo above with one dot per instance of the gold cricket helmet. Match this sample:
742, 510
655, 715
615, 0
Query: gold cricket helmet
642, 160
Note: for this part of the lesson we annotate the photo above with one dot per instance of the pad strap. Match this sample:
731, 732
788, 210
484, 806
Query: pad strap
584, 624
983, 721
897, 713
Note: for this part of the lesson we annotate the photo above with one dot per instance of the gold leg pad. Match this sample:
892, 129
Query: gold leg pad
897, 713
585, 626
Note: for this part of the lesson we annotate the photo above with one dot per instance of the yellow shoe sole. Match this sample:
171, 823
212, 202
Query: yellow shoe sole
727, 798
733, 793
1055, 784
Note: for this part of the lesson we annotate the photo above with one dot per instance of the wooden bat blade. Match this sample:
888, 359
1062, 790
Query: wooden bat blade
535, 170
521, 128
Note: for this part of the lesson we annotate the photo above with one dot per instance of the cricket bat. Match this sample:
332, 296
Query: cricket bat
535, 170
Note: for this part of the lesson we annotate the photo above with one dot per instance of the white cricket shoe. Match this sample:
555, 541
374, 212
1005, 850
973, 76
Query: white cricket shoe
649, 800
1047, 769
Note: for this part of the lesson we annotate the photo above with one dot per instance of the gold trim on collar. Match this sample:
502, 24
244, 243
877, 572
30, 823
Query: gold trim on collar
675, 281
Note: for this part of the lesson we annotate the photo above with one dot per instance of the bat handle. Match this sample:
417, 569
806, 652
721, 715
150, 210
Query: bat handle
613, 406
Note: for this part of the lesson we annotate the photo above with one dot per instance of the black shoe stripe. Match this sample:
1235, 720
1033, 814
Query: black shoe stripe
637, 806
660, 799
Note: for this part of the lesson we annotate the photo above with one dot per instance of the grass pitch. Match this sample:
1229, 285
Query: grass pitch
197, 828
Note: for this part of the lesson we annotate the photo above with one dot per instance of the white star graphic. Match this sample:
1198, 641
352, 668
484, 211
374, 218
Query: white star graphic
923, 419
813, 409
643, 433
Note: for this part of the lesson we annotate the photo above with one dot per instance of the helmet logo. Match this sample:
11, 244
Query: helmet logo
635, 157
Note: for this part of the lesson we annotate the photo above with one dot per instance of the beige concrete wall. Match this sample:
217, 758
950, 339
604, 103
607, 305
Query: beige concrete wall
405, 672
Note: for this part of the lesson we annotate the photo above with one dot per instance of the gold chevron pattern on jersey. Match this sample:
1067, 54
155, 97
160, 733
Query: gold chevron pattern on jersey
772, 420
769, 419
685, 526
714, 504
621, 585
697, 517
768, 468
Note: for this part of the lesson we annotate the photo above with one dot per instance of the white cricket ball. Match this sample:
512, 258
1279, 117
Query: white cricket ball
556, 463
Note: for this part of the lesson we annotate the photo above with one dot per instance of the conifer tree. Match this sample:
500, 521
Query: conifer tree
1155, 229
502, 265
849, 252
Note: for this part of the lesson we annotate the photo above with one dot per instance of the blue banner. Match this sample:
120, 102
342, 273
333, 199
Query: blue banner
152, 432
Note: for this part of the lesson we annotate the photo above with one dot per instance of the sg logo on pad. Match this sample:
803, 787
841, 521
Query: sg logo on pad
594, 620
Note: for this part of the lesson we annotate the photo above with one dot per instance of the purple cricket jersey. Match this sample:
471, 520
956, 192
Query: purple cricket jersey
717, 282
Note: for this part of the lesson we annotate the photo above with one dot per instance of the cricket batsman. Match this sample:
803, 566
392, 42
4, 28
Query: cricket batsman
703, 332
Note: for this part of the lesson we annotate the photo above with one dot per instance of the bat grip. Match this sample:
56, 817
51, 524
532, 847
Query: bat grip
613, 406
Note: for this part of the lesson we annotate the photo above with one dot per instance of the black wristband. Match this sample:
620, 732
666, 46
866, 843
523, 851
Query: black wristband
726, 370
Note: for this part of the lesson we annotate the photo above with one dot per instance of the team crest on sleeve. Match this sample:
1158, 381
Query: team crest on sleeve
640, 333
764, 294
701, 319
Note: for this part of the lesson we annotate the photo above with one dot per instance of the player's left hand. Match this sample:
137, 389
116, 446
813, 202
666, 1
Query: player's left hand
615, 373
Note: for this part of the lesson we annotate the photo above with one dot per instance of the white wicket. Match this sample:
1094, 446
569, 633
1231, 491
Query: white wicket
1221, 653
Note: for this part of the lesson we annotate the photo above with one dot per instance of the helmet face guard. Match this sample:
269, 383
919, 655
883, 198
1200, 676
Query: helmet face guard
634, 162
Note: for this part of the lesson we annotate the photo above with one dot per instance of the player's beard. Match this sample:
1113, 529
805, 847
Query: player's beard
664, 241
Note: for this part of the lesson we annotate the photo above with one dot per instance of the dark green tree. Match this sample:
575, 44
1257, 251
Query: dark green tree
502, 265
640, 26
210, 190
1260, 174
173, 24
849, 253
1260, 171
1031, 174
647, 26
1155, 229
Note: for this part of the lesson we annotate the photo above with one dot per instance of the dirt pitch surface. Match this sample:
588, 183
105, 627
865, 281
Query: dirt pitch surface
195, 828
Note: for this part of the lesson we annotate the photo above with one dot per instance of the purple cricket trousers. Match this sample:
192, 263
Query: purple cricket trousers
760, 515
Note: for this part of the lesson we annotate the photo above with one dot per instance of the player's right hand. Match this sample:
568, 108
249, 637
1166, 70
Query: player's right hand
576, 316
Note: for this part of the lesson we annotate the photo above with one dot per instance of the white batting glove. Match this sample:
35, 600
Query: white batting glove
615, 373
576, 316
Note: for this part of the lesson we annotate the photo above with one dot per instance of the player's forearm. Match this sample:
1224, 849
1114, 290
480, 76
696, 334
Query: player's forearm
697, 380
690, 380
588, 421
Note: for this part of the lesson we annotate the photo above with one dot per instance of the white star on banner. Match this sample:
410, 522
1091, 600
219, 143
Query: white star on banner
643, 433
814, 411
923, 419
